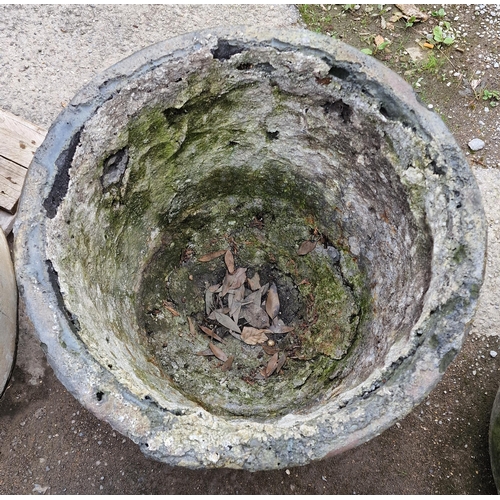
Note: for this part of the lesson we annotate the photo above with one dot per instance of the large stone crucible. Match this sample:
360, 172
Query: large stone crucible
256, 141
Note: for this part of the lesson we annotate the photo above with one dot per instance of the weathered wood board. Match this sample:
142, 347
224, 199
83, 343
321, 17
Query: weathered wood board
11, 182
19, 139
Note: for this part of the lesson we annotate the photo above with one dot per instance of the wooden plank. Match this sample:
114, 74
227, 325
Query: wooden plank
6, 221
19, 138
11, 182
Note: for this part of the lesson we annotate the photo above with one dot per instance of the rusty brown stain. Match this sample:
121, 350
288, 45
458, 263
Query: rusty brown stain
324, 81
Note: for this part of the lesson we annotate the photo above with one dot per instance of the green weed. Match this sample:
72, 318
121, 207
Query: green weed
410, 22
316, 18
443, 36
493, 96
439, 13
432, 65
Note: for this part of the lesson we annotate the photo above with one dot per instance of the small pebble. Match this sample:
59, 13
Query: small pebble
493, 354
430, 106
476, 144
270, 343
288, 472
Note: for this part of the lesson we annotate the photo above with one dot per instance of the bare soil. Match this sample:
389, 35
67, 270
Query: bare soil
50, 444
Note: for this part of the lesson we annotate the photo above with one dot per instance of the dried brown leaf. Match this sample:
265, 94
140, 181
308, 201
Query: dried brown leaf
255, 297
210, 333
192, 329
255, 315
228, 364
218, 352
239, 293
306, 247
206, 352
253, 336
229, 260
237, 336
254, 283
271, 365
235, 311
233, 281
281, 362
209, 301
409, 10
272, 301
279, 327
269, 349
396, 17
223, 310
172, 311
215, 288
227, 322
211, 256
379, 40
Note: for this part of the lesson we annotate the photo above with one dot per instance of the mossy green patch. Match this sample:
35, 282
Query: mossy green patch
244, 212
220, 167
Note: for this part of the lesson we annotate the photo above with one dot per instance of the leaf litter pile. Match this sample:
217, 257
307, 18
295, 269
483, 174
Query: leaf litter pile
248, 310
251, 339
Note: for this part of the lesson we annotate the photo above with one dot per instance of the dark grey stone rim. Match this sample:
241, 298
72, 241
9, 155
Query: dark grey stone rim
440, 332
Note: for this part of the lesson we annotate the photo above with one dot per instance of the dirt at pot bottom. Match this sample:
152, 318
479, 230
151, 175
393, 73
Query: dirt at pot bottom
252, 336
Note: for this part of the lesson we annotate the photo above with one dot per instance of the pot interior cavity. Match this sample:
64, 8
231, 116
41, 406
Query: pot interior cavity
256, 153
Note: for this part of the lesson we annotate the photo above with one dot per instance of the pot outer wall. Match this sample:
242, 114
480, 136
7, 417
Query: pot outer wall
494, 441
193, 437
8, 313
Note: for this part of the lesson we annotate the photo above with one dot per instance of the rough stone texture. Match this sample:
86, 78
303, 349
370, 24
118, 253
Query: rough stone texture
441, 193
8, 313
476, 144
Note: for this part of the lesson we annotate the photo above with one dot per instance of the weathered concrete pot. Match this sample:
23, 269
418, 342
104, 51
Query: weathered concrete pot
494, 441
8, 313
261, 140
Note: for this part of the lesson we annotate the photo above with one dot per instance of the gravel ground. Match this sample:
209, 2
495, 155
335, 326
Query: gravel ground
50, 51
50, 444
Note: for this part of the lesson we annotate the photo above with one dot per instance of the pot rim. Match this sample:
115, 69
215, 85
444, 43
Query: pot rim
367, 413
